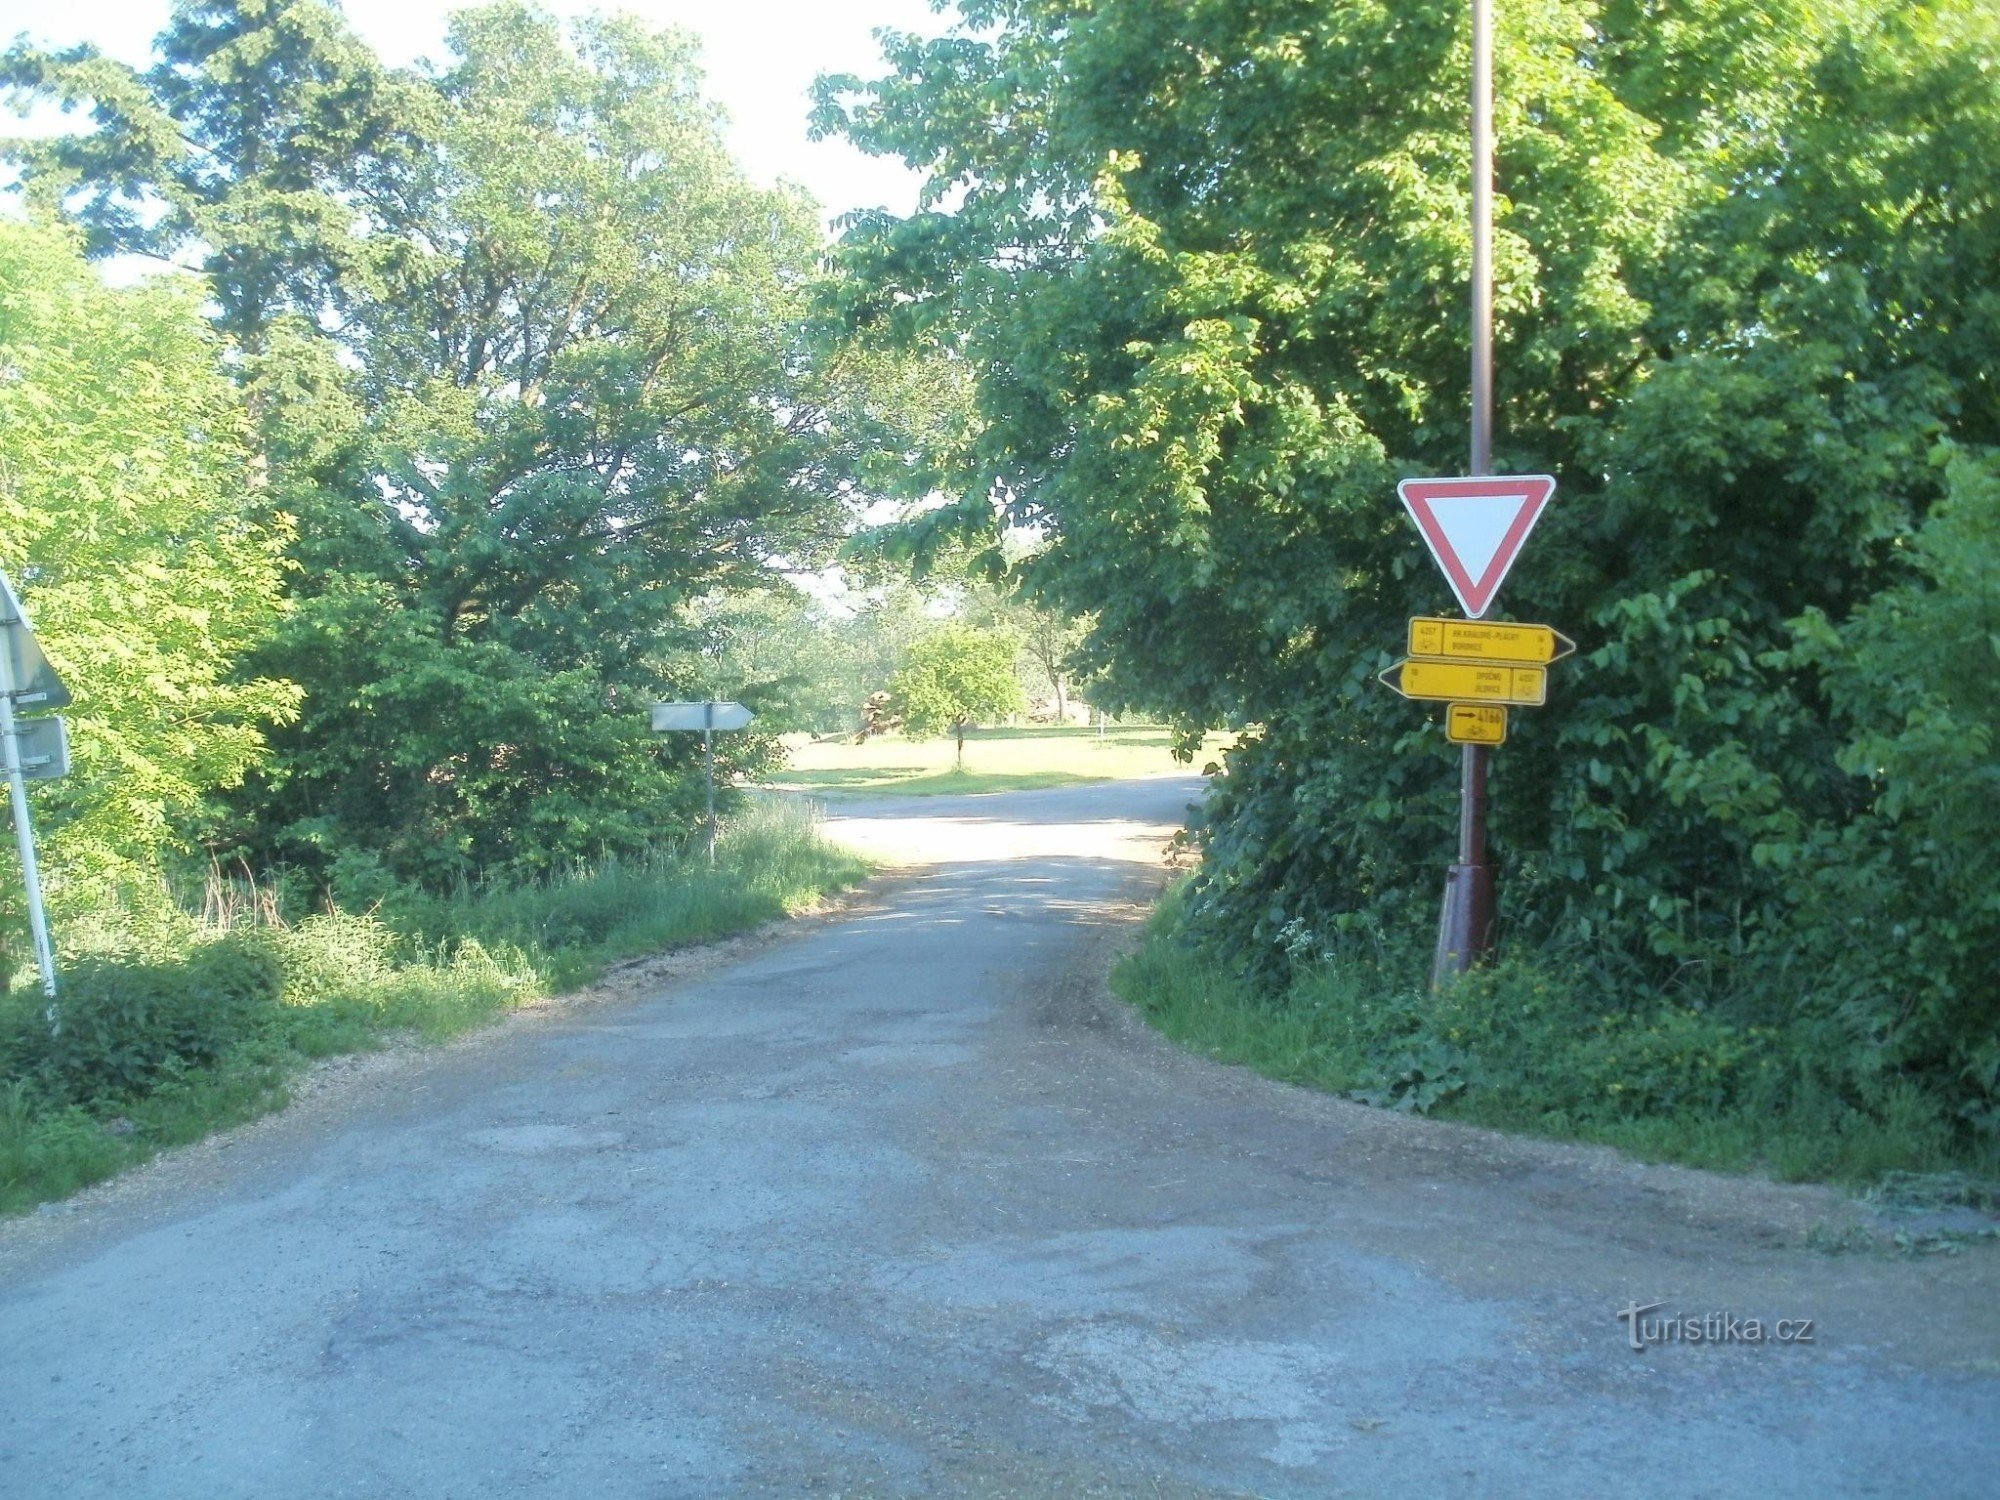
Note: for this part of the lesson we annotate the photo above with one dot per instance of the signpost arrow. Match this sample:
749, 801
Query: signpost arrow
708, 718
1530, 645
669, 716
1475, 724
1468, 681
1475, 527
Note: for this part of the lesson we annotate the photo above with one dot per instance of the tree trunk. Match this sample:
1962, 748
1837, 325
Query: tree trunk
1062, 703
961, 744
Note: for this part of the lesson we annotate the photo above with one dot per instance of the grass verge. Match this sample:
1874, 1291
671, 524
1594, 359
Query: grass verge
165, 1040
996, 760
1536, 1047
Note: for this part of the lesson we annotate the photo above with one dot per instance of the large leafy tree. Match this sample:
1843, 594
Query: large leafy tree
535, 366
242, 153
124, 466
1208, 263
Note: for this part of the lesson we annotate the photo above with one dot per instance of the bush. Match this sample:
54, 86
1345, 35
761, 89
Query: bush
124, 1025
335, 953
1547, 1043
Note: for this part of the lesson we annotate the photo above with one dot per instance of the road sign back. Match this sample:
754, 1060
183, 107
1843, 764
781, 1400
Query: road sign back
33, 682
1475, 527
43, 747
715, 715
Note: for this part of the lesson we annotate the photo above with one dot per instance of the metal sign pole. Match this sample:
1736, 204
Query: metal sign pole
708, 752
1465, 928
24, 832
711, 718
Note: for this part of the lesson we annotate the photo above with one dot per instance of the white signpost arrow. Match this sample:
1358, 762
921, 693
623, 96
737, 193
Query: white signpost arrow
704, 716
708, 718
1476, 527
27, 681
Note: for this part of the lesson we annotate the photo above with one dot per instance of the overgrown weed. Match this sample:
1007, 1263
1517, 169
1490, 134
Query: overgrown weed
1541, 1044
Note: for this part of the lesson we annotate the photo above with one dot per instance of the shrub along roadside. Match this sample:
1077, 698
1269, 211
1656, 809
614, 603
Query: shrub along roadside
1540, 1045
161, 1047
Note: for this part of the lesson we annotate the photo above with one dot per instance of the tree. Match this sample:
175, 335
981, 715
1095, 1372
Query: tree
1909, 676
1049, 638
1208, 263
955, 678
244, 153
130, 519
536, 368
805, 663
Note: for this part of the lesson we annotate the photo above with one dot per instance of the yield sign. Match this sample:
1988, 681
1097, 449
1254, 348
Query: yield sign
1475, 527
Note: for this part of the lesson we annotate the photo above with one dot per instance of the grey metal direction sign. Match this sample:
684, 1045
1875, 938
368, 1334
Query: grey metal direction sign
33, 683
44, 747
699, 716
706, 719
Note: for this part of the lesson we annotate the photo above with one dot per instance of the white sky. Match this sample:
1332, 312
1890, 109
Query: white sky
761, 57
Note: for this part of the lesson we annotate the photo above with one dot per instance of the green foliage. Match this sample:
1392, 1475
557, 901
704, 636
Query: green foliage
1207, 263
237, 149
804, 665
123, 470
127, 1025
1897, 915
1547, 1043
955, 677
535, 368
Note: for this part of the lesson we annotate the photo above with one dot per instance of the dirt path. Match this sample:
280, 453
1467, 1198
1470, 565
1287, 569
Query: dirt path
906, 1205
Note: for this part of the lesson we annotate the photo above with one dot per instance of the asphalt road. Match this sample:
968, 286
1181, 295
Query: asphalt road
902, 1203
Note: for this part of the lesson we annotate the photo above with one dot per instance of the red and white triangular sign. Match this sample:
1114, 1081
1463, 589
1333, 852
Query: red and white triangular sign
1475, 527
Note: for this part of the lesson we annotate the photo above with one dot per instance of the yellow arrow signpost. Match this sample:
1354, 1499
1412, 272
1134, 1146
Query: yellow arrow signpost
1479, 640
1475, 724
1469, 682
1476, 668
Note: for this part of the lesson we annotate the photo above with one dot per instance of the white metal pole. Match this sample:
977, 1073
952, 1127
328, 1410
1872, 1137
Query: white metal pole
24, 831
708, 752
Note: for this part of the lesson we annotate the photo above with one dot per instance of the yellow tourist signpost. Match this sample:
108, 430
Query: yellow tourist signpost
1475, 525
1477, 668
1482, 640
1475, 724
1468, 681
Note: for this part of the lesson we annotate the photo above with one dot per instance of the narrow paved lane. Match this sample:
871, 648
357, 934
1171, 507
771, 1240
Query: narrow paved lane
902, 1205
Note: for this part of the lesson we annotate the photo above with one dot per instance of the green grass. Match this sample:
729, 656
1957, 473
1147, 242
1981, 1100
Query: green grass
1538, 1048
160, 1048
996, 760
770, 863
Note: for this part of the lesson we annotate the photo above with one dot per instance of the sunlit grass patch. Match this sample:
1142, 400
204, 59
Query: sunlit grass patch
996, 760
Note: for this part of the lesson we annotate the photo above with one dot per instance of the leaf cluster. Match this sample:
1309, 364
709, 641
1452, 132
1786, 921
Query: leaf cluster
1209, 264
534, 367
